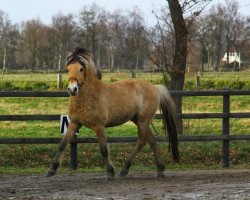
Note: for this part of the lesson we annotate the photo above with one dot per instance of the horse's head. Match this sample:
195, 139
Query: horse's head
79, 62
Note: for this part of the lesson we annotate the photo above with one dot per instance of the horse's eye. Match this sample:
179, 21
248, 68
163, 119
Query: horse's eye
81, 69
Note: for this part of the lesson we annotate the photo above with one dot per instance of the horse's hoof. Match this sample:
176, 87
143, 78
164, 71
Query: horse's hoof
50, 173
110, 178
123, 172
110, 175
161, 167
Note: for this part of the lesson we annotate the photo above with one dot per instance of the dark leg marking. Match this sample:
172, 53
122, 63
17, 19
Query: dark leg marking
160, 167
62, 146
52, 169
104, 151
55, 163
153, 145
125, 168
110, 169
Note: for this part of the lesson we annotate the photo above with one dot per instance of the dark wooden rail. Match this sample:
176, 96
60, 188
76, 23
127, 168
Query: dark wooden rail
225, 116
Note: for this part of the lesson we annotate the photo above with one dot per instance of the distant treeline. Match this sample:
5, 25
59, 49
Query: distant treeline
121, 40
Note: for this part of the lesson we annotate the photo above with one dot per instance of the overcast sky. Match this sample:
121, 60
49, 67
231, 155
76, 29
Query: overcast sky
22, 10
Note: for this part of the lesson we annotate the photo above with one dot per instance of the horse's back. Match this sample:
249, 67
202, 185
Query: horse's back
128, 99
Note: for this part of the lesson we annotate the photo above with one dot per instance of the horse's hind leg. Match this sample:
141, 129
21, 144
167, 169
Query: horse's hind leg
153, 145
100, 133
141, 141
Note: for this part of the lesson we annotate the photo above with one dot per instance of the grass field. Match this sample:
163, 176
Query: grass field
35, 158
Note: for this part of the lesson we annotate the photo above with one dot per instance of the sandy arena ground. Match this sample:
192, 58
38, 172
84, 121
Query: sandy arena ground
202, 184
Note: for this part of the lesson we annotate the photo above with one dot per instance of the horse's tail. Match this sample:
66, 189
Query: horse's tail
167, 108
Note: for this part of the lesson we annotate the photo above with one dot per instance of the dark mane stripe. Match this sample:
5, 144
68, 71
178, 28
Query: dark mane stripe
77, 55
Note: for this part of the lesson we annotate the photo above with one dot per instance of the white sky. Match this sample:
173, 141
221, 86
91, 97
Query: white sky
22, 10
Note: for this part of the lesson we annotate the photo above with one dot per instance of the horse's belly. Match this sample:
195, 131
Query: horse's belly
119, 119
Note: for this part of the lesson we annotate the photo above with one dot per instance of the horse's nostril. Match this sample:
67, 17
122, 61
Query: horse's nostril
75, 89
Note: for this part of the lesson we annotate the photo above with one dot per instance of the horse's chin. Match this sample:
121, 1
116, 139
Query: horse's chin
73, 93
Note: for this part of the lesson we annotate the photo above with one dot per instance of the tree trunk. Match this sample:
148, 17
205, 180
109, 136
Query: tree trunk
217, 67
59, 57
180, 56
4, 61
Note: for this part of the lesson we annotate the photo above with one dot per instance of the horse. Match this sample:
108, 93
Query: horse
96, 104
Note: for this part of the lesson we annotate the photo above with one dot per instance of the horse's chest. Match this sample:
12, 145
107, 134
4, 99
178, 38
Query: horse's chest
80, 114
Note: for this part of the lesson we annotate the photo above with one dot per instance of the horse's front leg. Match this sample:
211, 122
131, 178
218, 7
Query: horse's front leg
67, 137
100, 133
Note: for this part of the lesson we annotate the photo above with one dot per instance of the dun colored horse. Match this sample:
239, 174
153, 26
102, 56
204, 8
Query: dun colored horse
96, 105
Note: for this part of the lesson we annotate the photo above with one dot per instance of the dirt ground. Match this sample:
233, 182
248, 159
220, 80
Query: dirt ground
202, 184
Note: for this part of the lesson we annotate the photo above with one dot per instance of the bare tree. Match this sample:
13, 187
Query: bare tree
31, 36
215, 36
136, 39
117, 23
170, 40
5, 27
89, 20
63, 29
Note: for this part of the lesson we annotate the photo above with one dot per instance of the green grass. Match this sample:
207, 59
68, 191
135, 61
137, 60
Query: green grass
195, 155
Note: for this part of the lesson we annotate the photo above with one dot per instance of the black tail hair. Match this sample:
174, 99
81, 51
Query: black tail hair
169, 119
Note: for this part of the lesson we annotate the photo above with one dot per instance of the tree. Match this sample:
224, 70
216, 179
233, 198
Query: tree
215, 36
89, 20
64, 31
31, 37
45, 54
5, 27
171, 32
201, 37
12, 45
117, 48
136, 39
227, 29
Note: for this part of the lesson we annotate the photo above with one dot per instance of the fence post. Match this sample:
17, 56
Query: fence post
225, 128
59, 81
73, 153
198, 81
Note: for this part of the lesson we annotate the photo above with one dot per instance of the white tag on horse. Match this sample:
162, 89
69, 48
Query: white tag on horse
64, 122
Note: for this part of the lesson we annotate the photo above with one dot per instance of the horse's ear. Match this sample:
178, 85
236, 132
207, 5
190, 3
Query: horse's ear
89, 56
69, 53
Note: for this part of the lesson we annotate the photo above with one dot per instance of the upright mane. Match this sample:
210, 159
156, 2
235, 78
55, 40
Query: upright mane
81, 55
78, 55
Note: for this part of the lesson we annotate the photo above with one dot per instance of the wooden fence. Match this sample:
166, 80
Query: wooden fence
225, 137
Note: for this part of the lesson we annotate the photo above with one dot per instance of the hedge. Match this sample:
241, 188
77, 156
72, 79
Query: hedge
205, 84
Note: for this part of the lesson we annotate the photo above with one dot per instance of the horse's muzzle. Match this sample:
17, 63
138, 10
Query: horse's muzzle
73, 88
73, 91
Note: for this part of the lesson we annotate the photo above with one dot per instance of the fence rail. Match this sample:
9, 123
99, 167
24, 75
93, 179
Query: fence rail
157, 116
182, 138
225, 116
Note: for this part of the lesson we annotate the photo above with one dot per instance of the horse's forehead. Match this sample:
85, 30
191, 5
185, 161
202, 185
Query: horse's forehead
74, 66
77, 65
